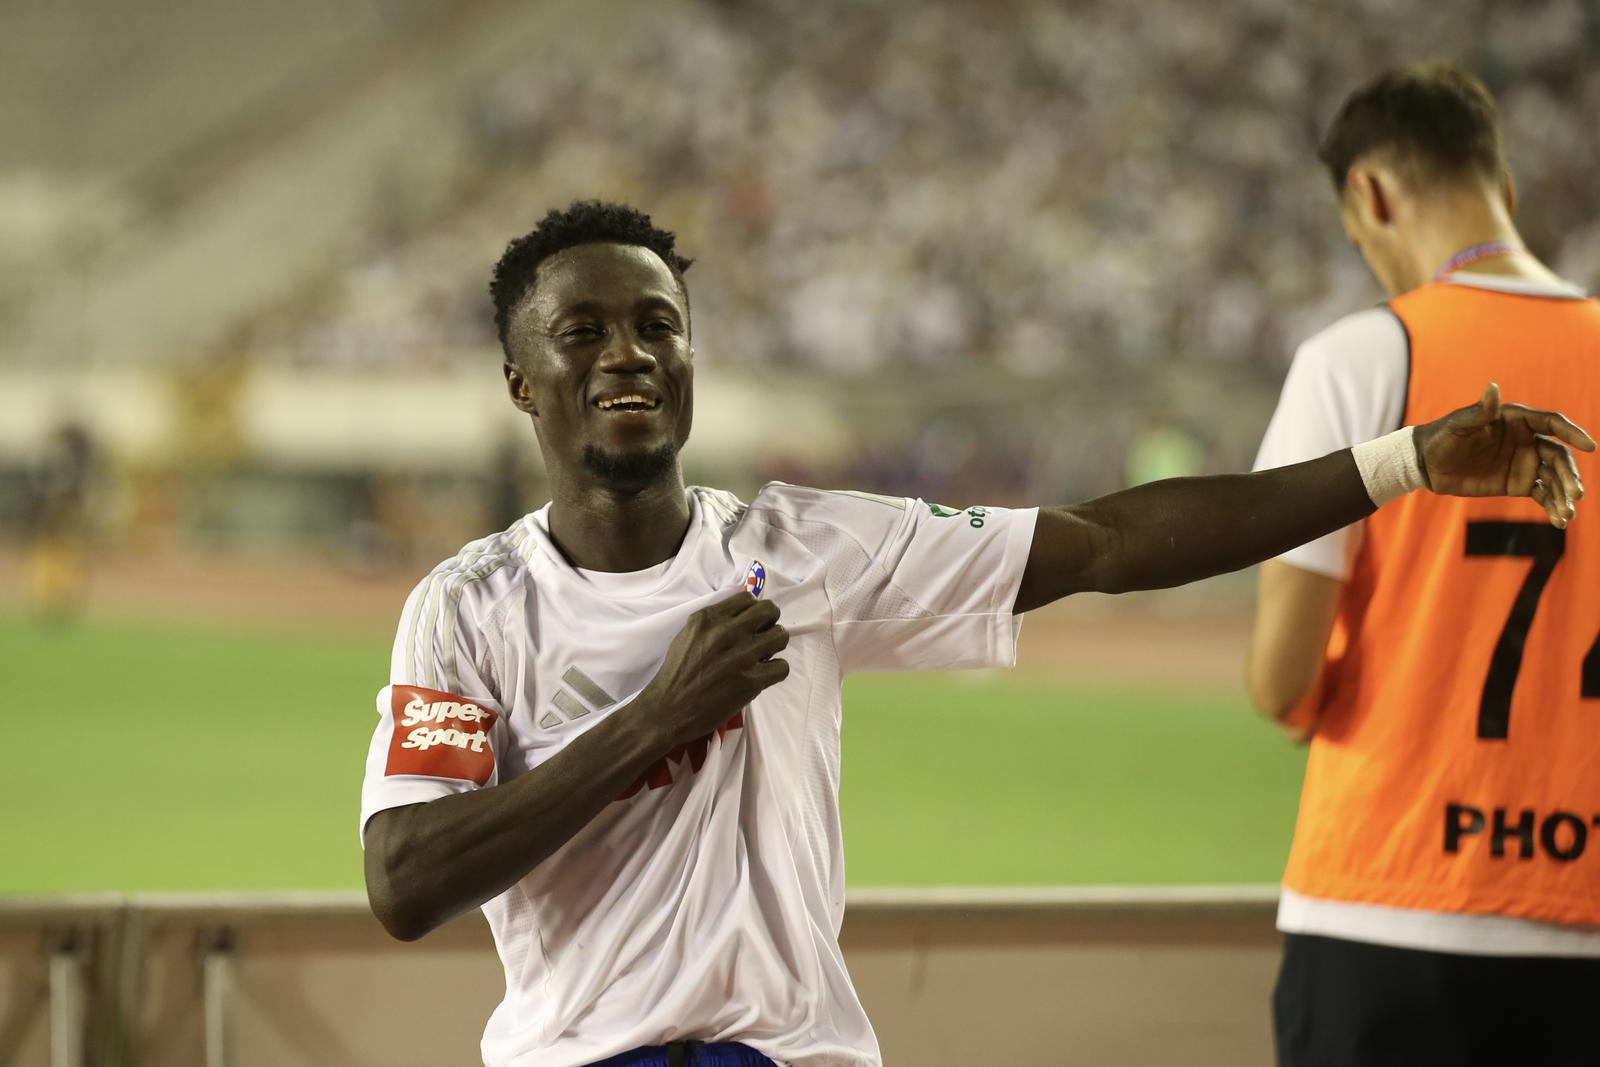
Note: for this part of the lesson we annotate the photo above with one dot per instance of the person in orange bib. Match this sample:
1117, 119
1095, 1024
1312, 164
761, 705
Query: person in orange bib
1442, 899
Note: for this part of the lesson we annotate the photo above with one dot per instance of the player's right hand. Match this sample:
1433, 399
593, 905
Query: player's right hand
720, 661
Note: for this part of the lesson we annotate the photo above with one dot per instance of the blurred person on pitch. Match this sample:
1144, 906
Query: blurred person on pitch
598, 730
58, 556
1442, 897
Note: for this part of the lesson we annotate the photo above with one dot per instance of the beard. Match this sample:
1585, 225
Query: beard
632, 470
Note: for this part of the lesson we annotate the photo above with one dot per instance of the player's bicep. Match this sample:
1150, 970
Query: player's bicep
378, 836
380, 826
1067, 544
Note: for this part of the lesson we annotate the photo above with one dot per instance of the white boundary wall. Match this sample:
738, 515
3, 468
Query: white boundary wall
1101, 976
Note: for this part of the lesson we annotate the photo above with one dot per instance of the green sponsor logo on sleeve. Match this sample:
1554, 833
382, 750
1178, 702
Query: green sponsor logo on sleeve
975, 515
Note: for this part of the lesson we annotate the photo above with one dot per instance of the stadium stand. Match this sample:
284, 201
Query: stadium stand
1016, 186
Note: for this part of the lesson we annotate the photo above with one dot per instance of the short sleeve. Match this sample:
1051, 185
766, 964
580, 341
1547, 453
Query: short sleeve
441, 725
1346, 385
918, 586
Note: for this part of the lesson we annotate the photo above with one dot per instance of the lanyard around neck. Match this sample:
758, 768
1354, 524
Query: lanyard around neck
1487, 250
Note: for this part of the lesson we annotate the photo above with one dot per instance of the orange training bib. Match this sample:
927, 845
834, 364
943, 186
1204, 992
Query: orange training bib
1456, 767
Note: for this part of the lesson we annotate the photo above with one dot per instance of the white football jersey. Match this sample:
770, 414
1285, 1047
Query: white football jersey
705, 902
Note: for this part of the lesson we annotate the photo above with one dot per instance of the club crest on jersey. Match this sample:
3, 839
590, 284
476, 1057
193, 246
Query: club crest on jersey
755, 578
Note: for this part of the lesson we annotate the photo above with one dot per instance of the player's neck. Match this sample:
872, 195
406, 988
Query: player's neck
600, 529
1473, 225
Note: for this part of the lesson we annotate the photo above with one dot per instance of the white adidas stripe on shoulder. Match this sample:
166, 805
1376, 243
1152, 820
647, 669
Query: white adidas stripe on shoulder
436, 612
720, 504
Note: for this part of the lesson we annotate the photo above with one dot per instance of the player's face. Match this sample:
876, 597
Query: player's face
604, 364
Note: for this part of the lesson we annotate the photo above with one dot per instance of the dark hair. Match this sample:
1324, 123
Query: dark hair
581, 222
1437, 119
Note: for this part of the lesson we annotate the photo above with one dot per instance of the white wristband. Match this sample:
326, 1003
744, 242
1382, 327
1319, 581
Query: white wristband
1388, 465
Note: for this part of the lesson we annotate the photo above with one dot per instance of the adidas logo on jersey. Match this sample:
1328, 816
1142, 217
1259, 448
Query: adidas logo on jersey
566, 706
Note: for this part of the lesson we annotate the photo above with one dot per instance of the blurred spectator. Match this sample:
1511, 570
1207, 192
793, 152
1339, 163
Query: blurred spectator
63, 488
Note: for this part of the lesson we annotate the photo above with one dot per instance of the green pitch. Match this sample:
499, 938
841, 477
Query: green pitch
145, 756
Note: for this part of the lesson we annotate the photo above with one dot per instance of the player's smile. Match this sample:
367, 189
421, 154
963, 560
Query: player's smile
630, 416
629, 401
630, 406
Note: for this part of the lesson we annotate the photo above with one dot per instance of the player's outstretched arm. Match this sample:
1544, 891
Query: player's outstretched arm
427, 863
1184, 529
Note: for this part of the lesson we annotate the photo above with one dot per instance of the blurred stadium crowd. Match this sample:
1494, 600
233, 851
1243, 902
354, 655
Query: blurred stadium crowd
1057, 252
1030, 186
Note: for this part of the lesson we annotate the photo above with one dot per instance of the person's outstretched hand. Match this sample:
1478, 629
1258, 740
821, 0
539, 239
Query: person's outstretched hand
1495, 449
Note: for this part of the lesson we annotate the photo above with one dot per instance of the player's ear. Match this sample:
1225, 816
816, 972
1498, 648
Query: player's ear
1371, 195
521, 390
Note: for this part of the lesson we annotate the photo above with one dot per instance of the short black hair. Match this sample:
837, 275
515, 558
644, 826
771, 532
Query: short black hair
581, 222
1438, 120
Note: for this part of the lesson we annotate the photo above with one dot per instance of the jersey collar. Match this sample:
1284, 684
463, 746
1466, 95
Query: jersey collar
623, 585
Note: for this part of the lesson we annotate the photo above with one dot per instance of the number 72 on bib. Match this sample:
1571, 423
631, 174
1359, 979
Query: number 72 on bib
1544, 544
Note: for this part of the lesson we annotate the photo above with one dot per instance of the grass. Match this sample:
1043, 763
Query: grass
142, 756
1014, 780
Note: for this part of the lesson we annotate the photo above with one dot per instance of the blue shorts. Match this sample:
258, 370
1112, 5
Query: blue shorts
689, 1054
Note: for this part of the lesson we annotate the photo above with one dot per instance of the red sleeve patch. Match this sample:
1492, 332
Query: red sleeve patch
439, 735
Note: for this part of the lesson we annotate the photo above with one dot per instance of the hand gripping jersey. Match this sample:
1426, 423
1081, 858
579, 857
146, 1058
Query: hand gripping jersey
705, 902
1456, 768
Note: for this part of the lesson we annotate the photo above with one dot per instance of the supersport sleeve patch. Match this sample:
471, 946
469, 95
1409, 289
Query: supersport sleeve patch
439, 735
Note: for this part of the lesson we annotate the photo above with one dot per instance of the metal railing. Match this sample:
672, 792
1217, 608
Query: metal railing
256, 980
